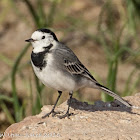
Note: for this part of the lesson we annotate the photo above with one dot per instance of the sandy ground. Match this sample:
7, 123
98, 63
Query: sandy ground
102, 121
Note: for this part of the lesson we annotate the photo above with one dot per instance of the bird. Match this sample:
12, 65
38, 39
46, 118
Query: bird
59, 68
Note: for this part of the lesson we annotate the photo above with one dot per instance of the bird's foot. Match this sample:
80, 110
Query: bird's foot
51, 112
65, 115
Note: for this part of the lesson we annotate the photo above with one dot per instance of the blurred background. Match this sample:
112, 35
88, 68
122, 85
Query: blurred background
104, 34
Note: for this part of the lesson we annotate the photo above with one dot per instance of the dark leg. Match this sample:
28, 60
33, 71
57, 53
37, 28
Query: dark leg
67, 113
52, 111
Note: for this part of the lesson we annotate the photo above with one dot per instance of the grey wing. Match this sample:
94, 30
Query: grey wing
78, 68
72, 64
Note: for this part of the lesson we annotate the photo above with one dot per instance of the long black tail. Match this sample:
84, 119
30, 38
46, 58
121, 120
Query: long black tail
115, 96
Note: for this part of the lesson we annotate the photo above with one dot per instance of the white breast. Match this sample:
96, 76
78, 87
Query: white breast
54, 78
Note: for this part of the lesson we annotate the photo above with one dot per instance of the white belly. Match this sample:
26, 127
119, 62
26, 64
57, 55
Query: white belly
55, 79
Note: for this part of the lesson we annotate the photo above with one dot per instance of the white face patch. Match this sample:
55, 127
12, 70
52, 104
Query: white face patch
42, 39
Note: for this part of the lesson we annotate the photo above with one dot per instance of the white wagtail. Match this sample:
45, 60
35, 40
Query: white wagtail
58, 67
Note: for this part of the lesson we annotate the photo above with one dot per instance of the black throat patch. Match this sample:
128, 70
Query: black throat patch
38, 58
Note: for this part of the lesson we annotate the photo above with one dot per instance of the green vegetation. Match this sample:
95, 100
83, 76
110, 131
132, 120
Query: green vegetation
114, 47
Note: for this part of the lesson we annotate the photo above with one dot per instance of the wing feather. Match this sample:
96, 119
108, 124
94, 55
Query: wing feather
71, 62
77, 68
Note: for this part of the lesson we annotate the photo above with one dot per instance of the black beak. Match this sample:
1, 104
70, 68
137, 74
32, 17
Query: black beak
29, 40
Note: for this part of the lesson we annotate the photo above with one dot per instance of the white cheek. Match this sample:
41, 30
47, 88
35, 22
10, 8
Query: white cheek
37, 47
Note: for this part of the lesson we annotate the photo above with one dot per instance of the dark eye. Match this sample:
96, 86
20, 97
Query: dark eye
43, 37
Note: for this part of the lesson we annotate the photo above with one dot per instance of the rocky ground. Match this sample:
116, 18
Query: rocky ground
102, 121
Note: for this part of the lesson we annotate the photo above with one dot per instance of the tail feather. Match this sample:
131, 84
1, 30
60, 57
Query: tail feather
115, 96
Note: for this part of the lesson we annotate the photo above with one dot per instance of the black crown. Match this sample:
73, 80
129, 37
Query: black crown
48, 31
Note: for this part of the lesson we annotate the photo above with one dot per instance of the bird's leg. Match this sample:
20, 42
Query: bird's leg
52, 111
67, 114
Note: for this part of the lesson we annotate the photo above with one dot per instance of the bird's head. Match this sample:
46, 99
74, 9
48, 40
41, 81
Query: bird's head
42, 38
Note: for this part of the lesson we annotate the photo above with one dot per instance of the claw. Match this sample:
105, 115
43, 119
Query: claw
65, 115
46, 115
51, 112
55, 113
